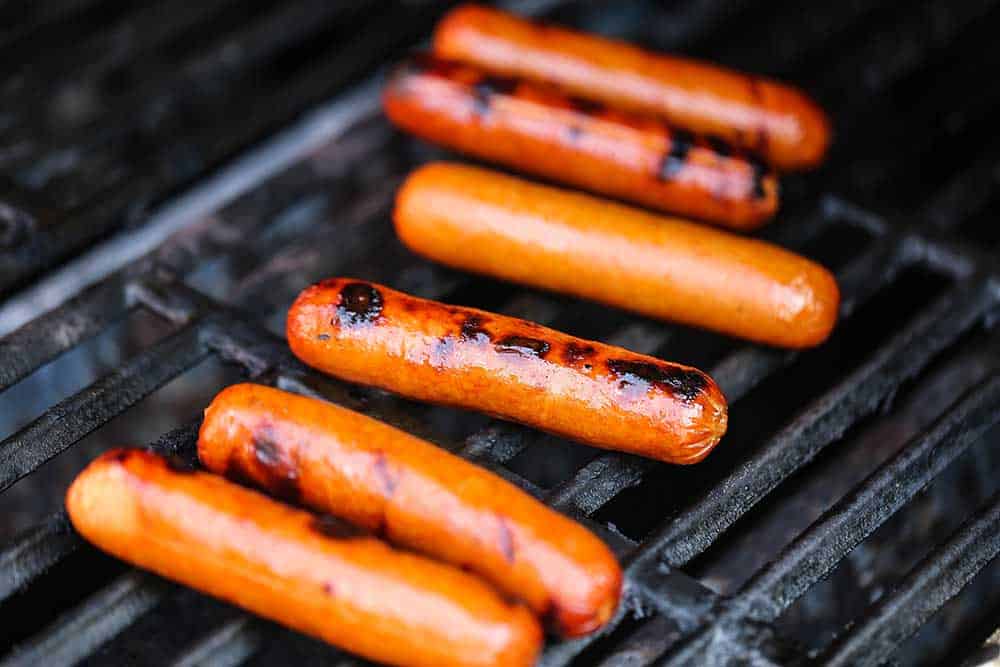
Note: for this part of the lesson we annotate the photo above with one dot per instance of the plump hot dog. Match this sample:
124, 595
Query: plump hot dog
588, 391
414, 494
482, 221
539, 130
301, 570
776, 121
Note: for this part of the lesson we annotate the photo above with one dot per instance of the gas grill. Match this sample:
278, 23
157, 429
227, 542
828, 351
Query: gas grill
174, 175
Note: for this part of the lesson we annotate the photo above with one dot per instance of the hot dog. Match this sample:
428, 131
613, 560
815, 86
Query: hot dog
468, 358
776, 121
414, 494
485, 222
539, 130
289, 565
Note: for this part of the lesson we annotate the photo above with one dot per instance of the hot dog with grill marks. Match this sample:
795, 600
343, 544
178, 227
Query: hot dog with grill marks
774, 120
482, 221
539, 130
301, 570
588, 391
415, 494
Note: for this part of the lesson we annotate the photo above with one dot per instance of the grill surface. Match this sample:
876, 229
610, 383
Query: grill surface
875, 446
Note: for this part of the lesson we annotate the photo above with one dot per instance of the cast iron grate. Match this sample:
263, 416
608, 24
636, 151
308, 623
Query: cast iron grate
224, 283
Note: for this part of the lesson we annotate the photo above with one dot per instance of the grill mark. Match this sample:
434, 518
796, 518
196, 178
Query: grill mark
685, 384
484, 90
472, 329
506, 539
574, 353
530, 347
281, 472
388, 481
673, 162
360, 303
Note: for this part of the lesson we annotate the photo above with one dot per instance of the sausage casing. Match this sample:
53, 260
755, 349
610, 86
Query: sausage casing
774, 120
301, 570
541, 131
414, 494
485, 222
584, 390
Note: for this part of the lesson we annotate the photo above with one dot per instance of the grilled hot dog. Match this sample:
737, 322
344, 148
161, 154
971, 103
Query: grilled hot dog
481, 221
538, 130
595, 393
414, 494
773, 120
294, 567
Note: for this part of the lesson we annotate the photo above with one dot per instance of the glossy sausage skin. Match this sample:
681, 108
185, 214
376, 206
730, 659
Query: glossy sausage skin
584, 390
307, 572
485, 222
414, 494
539, 130
774, 120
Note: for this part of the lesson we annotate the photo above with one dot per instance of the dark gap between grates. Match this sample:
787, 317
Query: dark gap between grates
638, 510
60, 588
838, 468
876, 565
79, 367
604, 646
41, 493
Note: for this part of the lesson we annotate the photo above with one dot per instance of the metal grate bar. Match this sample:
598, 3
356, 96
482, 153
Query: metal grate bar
931, 583
83, 629
227, 646
823, 422
78, 415
34, 552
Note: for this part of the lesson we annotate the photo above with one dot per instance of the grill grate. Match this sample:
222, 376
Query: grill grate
224, 282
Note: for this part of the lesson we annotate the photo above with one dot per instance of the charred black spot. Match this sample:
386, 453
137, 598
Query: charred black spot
472, 329
576, 352
673, 162
686, 384
506, 539
332, 527
486, 88
180, 465
523, 345
360, 303
118, 455
719, 146
586, 107
282, 473
759, 173
386, 477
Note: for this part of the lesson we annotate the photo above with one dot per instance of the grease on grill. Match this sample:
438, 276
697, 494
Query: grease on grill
334, 528
472, 329
529, 347
673, 162
684, 383
360, 303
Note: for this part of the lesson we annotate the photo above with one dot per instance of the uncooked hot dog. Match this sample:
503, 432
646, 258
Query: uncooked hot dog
414, 494
539, 130
774, 120
485, 222
588, 391
289, 565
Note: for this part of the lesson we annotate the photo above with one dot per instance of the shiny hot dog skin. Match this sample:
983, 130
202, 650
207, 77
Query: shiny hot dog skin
414, 494
304, 571
482, 221
539, 130
463, 357
773, 120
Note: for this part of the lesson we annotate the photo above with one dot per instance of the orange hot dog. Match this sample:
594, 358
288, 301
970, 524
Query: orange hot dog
414, 494
301, 570
485, 222
539, 130
584, 390
774, 120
